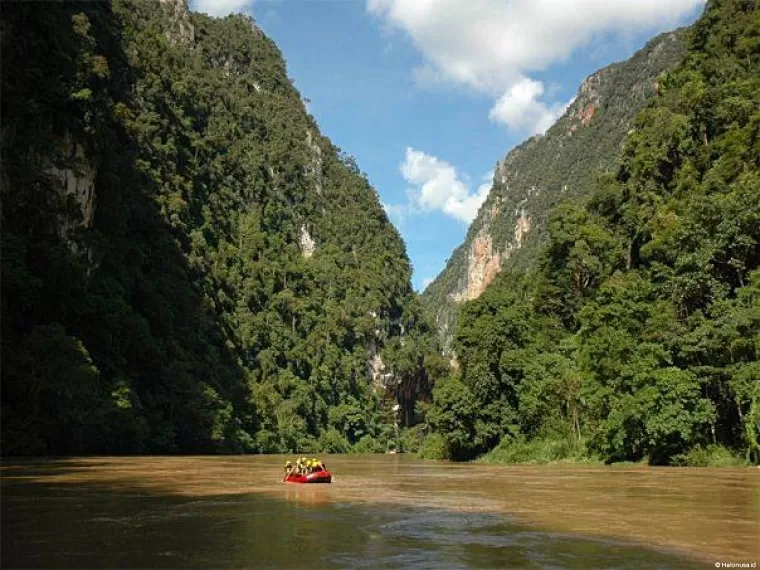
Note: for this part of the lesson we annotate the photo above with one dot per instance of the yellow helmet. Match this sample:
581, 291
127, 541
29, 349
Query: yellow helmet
288, 463
303, 460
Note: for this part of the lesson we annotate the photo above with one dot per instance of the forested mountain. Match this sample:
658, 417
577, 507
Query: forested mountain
188, 265
528, 184
637, 333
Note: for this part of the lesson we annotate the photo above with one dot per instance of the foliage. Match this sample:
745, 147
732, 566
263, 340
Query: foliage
637, 333
411, 439
538, 451
368, 444
185, 315
434, 447
709, 456
536, 176
454, 416
332, 441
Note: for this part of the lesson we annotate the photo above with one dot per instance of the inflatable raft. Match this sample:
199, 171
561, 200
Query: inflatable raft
323, 476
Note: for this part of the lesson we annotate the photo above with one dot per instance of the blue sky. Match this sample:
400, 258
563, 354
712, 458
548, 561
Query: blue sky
429, 94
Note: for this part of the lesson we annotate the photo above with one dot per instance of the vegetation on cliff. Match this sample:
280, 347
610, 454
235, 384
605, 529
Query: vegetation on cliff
536, 176
227, 276
637, 333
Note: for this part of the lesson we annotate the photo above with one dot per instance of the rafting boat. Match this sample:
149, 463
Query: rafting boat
323, 476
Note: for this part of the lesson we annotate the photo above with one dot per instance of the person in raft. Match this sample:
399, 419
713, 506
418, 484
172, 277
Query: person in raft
304, 466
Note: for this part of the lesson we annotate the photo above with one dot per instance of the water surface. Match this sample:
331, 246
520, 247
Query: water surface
380, 512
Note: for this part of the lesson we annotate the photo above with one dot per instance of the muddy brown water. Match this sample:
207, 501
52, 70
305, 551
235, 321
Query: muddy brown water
380, 512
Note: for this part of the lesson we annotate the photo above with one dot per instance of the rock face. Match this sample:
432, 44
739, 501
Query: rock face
183, 30
377, 370
308, 245
236, 257
522, 227
483, 265
590, 96
377, 373
314, 169
485, 262
75, 173
535, 176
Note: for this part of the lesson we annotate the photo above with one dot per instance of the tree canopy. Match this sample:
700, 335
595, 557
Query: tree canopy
229, 276
637, 334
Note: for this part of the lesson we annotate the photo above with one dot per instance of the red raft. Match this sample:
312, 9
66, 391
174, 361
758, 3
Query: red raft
323, 476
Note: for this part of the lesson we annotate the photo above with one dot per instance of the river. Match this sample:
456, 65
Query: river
380, 512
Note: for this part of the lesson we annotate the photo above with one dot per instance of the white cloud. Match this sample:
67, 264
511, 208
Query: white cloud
520, 109
435, 179
467, 209
427, 281
221, 7
436, 185
493, 45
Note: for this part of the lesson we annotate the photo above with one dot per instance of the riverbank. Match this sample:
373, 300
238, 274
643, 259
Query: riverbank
540, 451
548, 451
543, 451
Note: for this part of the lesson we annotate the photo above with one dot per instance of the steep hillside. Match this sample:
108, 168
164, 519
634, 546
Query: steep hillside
636, 335
538, 174
188, 264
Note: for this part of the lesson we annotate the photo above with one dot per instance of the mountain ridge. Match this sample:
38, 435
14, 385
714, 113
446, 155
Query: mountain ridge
585, 140
195, 268
635, 336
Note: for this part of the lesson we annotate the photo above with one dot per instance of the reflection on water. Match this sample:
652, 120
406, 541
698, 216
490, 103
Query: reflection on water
380, 512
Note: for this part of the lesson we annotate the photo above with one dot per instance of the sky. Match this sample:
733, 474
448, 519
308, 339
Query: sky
429, 95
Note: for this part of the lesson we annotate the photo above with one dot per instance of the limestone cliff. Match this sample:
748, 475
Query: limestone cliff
314, 168
182, 30
307, 243
483, 265
74, 173
233, 251
531, 180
